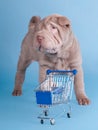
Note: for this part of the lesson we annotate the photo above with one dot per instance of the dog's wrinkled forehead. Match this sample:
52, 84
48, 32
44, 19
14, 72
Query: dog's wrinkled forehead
57, 19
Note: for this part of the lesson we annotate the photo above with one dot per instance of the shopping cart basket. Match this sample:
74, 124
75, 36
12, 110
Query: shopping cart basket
56, 89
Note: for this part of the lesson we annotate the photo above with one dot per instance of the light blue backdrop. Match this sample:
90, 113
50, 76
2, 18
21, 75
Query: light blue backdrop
14, 19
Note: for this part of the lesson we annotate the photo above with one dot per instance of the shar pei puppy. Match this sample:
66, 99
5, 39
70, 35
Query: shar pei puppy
51, 42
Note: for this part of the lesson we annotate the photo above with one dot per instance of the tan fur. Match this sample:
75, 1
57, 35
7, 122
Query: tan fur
51, 42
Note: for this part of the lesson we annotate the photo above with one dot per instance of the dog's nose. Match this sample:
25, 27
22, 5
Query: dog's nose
40, 39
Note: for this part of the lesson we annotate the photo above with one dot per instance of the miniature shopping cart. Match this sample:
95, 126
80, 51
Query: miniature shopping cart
56, 89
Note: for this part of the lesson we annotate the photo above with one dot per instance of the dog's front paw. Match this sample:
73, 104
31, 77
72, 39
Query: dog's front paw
83, 100
17, 92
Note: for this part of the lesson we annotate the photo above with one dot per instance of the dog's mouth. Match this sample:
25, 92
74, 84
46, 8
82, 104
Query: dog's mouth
51, 54
47, 51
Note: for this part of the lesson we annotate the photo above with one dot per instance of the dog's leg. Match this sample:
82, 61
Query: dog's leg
76, 63
24, 61
79, 87
20, 75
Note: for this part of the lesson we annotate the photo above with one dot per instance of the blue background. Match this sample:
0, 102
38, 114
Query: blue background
19, 113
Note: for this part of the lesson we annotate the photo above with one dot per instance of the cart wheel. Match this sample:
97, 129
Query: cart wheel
52, 121
46, 113
68, 115
42, 121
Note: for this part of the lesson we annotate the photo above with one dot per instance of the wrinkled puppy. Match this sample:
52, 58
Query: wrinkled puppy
51, 42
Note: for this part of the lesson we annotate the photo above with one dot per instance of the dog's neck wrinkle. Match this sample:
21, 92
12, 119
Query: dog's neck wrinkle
55, 59
53, 62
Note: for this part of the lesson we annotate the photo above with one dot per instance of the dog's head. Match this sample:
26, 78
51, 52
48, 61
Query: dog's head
51, 34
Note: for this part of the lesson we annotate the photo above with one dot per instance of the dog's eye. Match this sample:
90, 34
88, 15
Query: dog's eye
53, 27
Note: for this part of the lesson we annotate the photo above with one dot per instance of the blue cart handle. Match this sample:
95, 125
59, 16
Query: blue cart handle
74, 72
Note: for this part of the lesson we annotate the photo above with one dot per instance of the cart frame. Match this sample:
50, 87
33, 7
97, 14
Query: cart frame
56, 89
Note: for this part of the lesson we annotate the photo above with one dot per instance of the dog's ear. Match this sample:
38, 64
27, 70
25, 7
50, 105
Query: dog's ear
34, 20
63, 21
